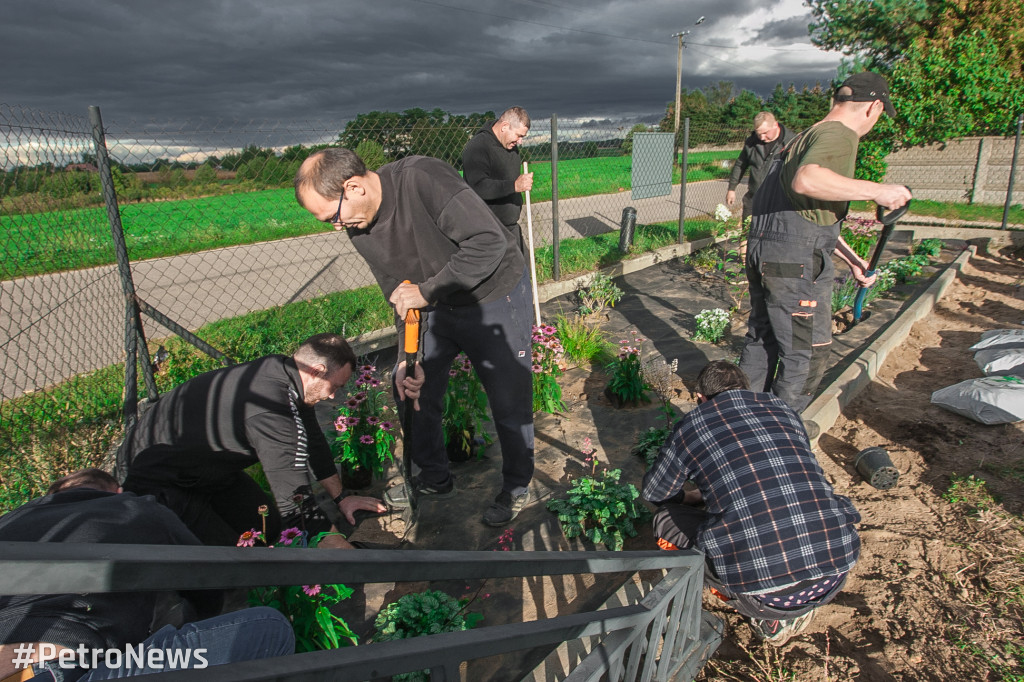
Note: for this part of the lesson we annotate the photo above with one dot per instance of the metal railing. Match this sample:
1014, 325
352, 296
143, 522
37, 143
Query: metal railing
664, 636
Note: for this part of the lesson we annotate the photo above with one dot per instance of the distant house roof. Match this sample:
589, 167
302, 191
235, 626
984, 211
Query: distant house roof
87, 167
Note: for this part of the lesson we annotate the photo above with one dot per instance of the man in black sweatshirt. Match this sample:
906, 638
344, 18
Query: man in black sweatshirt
191, 449
89, 507
768, 138
492, 167
434, 245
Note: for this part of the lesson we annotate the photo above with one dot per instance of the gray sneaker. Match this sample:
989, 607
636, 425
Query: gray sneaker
505, 508
778, 632
398, 498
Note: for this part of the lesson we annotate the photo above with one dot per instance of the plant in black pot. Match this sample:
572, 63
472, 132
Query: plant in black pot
364, 441
465, 412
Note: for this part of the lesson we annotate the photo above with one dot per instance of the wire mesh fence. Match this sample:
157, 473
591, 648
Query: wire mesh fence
219, 246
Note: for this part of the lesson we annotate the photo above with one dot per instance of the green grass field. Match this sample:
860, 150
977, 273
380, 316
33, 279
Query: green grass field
40, 243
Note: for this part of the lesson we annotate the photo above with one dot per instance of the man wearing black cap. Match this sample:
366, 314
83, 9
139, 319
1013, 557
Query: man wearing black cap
797, 213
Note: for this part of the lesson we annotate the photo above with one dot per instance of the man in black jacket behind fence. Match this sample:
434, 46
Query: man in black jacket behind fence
492, 166
768, 138
434, 245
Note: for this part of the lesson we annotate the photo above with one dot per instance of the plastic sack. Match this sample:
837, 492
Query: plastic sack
1001, 361
989, 400
1000, 338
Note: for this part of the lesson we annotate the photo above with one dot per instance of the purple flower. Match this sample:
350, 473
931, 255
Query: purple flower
352, 404
453, 373
372, 421
311, 590
289, 535
386, 426
352, 421
366, 440
537, 369
249, 538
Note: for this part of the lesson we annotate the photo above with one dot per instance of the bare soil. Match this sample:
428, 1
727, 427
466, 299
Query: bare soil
938, 593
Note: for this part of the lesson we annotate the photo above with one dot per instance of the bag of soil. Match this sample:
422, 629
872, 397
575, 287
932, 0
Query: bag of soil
1000, 338
989, 400
1001, 361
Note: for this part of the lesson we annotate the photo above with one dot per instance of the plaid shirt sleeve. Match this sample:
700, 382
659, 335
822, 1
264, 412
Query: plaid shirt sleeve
665, 479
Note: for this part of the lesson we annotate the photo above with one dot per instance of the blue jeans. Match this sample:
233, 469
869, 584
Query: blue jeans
249, 634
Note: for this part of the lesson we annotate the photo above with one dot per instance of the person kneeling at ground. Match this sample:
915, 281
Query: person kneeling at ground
191, 449
47, 631
778, 542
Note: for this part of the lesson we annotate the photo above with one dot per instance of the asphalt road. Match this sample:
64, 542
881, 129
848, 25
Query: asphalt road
53, 327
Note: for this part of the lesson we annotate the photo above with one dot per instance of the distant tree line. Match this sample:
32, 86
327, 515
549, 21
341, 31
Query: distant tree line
719, 113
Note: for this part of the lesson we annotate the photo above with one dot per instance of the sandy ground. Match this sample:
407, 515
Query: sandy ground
937, 593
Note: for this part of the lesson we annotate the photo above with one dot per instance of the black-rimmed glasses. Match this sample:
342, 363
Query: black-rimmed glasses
336, 218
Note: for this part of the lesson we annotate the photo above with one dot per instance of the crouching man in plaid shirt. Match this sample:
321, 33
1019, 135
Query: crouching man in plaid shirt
778, 542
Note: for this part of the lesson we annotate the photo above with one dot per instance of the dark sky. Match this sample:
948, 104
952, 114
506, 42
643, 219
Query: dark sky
294, 60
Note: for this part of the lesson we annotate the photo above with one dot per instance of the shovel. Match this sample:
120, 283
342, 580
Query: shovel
888, 221
412, 347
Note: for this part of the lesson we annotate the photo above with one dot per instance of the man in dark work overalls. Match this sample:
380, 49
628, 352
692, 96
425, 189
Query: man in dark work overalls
797, 212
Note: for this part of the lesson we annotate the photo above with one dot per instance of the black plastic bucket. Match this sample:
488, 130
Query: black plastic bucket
874, 465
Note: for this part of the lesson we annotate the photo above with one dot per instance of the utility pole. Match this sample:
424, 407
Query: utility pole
679, 75
679, 70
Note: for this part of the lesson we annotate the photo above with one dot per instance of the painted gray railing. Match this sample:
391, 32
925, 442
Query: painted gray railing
667, 625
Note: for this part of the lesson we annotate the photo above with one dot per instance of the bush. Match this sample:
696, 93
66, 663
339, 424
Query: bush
649, 444
704, 260
422, 613
711, 325
601, 509
372, 154
929, 247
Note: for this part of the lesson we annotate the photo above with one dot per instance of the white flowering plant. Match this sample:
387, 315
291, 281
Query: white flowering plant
722, 213
711, 325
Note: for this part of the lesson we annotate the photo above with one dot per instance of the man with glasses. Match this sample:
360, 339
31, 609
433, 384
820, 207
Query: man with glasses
435, 246
191, 449
492, 167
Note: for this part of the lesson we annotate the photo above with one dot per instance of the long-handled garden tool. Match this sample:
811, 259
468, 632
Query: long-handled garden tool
533, 257
888, 221
412, 347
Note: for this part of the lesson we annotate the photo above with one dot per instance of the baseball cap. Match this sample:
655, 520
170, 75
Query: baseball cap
867, 86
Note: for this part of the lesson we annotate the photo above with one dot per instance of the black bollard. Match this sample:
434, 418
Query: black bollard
626, 228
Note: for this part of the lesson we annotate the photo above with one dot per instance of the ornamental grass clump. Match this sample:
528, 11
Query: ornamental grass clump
627, 385
366, 425
598, 507
581, 342
711, 325
422, 613
307, 607
547, 367
465, 410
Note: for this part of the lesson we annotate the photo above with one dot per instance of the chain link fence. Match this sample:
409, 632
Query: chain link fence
218, 246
